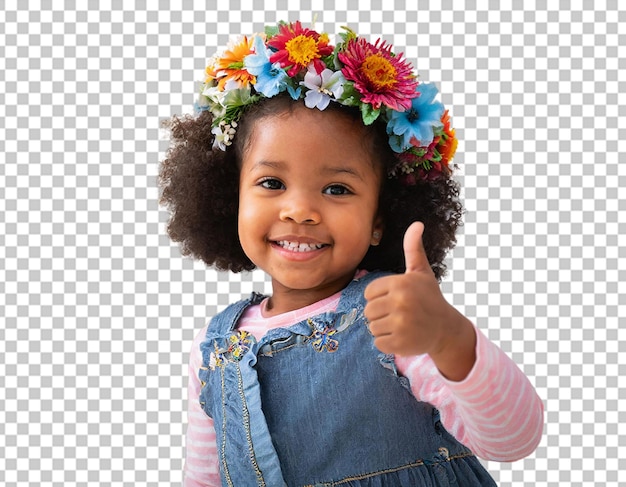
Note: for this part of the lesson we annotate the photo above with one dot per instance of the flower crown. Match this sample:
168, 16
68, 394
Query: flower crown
355, 72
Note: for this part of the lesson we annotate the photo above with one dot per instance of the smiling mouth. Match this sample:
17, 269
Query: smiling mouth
298, 246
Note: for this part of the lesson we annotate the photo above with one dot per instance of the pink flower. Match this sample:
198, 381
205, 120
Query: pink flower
380, 76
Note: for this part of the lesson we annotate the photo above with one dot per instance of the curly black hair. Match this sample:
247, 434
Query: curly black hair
200, 185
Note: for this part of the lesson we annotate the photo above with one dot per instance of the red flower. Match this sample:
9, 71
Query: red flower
297, 48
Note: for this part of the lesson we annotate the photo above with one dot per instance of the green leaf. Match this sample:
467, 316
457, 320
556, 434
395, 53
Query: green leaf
271, 30
348, 35
350, 96
329, 61
240, 97
235, 102
369, 113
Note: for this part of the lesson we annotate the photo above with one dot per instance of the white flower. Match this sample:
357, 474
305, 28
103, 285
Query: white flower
224, 134
214, 94
214, 100
322, 86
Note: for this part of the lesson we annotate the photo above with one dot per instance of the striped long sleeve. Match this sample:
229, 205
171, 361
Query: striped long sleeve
201, 459
494, 411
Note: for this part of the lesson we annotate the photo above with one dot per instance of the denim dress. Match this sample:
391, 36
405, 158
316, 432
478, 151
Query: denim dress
316, 404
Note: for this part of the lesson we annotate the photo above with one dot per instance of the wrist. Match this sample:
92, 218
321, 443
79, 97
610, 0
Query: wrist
455, 352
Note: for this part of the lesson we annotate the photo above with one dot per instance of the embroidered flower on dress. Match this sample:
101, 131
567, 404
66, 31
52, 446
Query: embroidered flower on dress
321, 339
240, 343
215, 360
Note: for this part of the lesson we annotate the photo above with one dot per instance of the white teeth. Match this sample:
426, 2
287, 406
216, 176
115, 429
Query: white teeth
299, 247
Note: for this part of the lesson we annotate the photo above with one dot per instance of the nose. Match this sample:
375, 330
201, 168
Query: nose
299, 208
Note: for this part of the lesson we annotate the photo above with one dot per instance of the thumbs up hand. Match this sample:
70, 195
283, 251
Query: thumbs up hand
408, 314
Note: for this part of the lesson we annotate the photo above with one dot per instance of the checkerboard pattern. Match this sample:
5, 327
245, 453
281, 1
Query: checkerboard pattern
98, 309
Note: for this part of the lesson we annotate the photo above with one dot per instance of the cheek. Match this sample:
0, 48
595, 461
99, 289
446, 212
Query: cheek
244, 199
245, 230
252, 220
357, 227
242, 216
245, 218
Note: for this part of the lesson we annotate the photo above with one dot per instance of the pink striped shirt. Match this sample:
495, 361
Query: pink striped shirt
494, 411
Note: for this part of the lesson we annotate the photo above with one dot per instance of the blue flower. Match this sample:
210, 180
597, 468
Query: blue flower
415, 127
270, 78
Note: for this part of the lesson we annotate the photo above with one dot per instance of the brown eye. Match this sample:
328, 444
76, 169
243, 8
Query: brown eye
337, 190
271, 183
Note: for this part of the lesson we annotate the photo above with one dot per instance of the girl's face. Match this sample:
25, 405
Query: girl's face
308, 203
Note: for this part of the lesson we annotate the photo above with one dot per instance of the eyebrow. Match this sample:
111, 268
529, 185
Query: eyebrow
271, 164
329, 170
343, 170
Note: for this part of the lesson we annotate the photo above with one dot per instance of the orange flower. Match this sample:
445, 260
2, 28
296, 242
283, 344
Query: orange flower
448, 148
230, 65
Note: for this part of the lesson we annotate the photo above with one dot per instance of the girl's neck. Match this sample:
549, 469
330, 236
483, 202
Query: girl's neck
280, 304
284, 300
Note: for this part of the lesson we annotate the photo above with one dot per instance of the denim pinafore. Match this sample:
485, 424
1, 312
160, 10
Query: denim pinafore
316, 404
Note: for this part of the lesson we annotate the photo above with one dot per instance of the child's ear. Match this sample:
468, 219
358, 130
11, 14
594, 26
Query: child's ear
377, 231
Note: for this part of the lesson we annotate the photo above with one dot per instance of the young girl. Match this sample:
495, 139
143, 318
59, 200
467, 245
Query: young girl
329, 168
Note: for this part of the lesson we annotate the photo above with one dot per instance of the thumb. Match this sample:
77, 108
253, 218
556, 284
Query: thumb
414, 253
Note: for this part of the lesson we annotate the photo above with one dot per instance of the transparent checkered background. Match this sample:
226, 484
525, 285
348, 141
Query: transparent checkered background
98, 309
